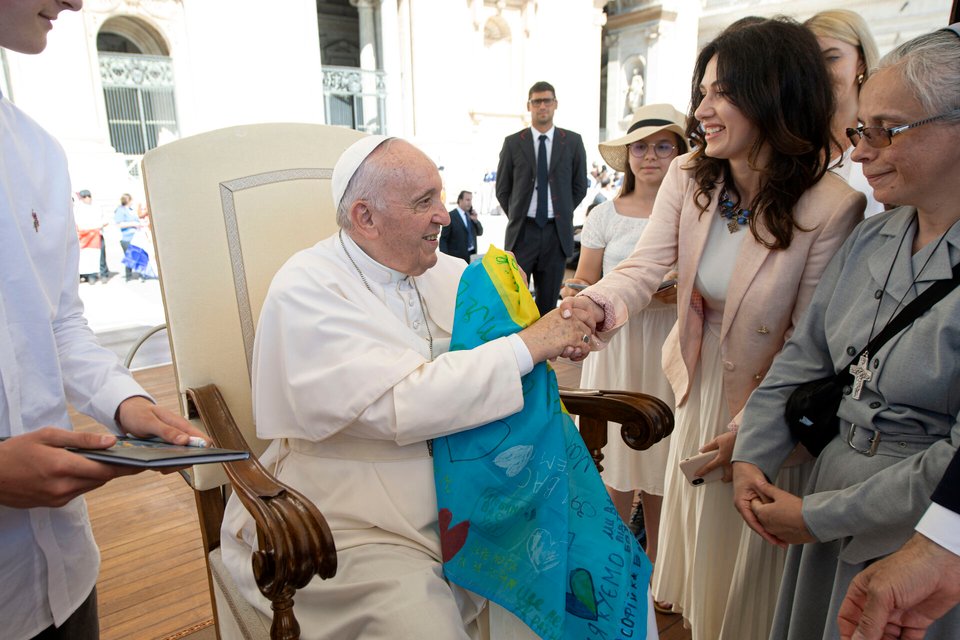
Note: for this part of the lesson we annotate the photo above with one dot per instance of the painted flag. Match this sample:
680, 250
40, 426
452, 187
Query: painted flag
525, 519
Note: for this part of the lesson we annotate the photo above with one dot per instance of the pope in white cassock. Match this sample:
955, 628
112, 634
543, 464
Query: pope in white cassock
351, 378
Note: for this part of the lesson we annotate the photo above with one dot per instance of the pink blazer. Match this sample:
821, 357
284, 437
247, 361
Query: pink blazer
768, 292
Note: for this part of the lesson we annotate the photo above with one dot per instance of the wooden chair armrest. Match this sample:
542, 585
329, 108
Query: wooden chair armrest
295, 543
644, 419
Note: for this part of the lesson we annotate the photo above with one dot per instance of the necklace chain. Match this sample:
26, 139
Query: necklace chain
363, 279
735, 215
861, 371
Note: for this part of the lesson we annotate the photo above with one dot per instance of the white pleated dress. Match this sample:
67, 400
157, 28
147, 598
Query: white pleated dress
720, 575
631, 360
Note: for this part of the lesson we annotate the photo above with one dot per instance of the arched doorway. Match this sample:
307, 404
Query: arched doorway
354, 84
138, 89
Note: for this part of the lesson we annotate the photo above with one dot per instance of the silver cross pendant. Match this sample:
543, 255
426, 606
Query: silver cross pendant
861, 373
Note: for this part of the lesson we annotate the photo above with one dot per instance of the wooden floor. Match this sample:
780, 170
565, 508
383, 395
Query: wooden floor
153, 584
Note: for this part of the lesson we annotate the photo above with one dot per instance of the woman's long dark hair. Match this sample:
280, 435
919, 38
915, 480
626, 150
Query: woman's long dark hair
773, 72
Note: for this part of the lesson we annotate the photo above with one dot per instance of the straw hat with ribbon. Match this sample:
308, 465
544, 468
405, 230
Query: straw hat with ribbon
648, 120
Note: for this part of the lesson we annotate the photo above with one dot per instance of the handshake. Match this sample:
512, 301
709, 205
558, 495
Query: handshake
569, 331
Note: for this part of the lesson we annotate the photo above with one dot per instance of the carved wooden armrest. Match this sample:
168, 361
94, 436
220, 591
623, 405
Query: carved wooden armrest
644, 419
295, 543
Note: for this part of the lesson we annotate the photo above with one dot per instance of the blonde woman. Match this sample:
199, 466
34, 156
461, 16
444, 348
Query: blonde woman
632, 359
850, 54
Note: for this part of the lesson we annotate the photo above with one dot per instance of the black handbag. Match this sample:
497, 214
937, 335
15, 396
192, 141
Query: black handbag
811, 410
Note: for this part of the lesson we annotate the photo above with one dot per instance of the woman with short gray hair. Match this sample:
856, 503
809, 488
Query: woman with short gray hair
898, 416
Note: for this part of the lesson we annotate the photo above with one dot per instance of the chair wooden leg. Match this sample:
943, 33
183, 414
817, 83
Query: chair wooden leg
210, 507
285, 625
594, 434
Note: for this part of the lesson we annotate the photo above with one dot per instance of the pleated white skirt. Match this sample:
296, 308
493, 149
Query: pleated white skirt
722, 577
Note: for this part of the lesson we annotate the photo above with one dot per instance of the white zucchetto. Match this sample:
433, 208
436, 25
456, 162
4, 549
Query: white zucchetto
349, 162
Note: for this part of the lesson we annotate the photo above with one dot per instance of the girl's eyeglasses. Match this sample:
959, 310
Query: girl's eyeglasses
661, 149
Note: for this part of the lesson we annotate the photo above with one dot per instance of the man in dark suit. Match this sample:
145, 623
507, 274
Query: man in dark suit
909, 590
459, 238
541, 178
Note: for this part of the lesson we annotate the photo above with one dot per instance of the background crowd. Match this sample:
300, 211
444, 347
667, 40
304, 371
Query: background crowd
113, 240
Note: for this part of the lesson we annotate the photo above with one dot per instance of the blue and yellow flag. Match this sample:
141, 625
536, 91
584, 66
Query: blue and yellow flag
525, 519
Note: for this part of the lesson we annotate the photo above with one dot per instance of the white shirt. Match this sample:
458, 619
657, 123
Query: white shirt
468, 223
87, 216
716, 266
49, 558
532, 209
942, 526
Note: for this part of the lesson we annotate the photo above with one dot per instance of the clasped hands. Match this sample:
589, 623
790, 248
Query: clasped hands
568, 331
776, 515
588, 313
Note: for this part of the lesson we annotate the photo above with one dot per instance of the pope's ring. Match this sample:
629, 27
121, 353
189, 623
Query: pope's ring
586, 338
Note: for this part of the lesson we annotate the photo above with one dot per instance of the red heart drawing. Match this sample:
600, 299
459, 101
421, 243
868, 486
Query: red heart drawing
451, 540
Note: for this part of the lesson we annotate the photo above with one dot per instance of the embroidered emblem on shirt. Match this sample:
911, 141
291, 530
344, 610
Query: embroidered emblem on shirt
36, 221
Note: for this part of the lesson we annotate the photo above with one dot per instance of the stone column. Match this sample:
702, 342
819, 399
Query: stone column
614, 97
390, 46
405, 35
368, 61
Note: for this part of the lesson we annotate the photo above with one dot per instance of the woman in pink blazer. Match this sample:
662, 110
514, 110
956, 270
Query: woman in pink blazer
751, 218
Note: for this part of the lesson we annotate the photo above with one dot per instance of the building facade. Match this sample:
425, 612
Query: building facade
450, 75
123, 76
650, 46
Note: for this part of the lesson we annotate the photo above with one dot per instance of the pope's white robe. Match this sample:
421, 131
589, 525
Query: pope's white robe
343, 383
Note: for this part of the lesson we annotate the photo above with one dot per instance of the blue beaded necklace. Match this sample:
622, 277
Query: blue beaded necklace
736, 216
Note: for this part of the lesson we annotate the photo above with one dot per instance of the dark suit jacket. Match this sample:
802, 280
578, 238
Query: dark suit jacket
947, 493
517, 175
453, 237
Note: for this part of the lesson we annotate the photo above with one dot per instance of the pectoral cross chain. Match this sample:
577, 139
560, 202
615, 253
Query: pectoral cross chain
861, 373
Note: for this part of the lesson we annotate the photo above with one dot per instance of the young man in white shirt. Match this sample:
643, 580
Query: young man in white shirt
48, 355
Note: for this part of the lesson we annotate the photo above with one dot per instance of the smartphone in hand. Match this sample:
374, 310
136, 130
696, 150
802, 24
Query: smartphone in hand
575, 285
690, 466
666, 284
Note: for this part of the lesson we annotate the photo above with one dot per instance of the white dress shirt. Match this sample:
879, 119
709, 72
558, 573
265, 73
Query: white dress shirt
468, 223
47, 355
942, 526
532, 209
